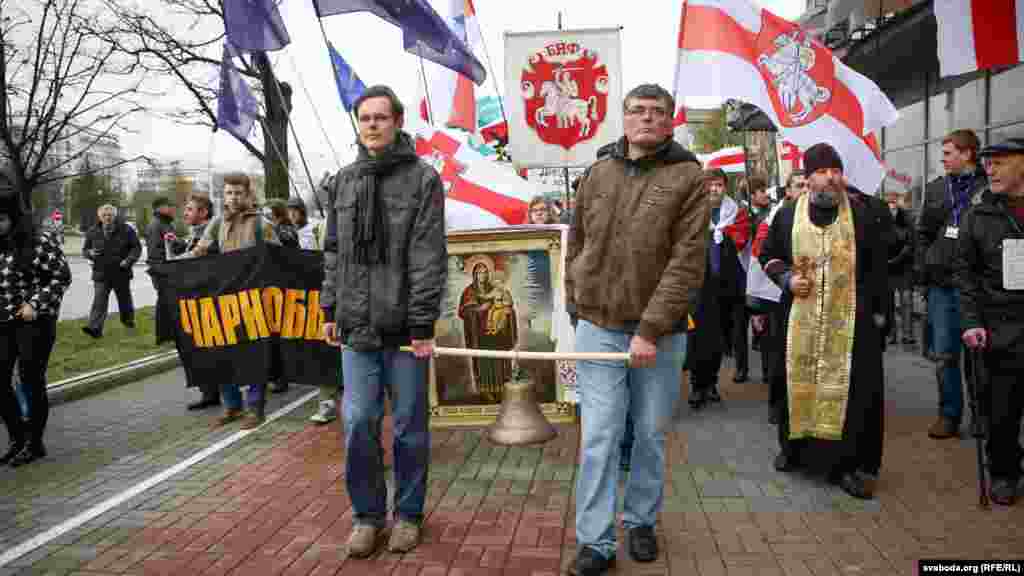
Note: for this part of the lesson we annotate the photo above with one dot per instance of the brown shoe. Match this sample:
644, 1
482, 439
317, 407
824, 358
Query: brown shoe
251, 422
404, 537
944, 428
228, 417
362, 541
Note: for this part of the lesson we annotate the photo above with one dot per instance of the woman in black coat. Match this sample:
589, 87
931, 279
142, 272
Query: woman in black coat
33, 278
901, 265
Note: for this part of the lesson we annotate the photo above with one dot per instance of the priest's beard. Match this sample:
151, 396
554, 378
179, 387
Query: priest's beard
825, 198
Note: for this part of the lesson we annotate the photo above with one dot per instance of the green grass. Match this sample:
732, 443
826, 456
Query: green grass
77, 353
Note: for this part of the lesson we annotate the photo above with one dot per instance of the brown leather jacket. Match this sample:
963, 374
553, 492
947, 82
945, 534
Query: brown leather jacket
636, 250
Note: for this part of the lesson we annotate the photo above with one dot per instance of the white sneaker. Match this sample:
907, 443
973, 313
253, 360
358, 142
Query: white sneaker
325, 413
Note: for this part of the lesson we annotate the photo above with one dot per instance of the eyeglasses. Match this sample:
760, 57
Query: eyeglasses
378, 118
656, 111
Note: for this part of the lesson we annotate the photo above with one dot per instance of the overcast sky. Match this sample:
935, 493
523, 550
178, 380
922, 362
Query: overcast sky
374, 49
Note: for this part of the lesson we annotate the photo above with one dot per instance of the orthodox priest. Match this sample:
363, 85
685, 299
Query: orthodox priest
827, 253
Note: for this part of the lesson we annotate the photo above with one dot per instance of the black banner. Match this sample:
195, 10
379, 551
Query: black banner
251, 316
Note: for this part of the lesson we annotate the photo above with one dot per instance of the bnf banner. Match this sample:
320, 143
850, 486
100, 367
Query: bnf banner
251, 316
563, 93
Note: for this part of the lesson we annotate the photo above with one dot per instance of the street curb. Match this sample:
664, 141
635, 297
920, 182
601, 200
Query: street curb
92, 383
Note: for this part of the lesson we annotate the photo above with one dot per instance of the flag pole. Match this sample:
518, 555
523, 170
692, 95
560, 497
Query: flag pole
490, 70
426, 87
679, 59
334, 66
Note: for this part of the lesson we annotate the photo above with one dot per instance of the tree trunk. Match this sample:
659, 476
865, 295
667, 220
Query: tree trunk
278, 103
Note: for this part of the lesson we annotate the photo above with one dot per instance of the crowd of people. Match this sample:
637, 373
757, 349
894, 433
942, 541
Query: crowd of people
654, 269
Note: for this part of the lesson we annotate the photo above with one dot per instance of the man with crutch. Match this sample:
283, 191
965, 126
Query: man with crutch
990, 275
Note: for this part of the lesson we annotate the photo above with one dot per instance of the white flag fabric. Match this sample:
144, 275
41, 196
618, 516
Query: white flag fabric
759, 285
563, 95
979, 34
734, 49
479, 192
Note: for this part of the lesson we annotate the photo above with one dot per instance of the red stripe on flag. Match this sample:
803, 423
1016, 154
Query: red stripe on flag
707, 28
728, 160
995, 32
680, 118
445, 143
463, 113
511, 210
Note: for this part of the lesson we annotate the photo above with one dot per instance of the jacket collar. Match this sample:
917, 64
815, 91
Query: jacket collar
670, 152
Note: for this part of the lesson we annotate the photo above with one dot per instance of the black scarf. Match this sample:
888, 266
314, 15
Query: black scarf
370, 229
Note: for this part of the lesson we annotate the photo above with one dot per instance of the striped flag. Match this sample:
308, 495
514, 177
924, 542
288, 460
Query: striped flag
979, 34
480, 193
450, 97
731, 160
734, 49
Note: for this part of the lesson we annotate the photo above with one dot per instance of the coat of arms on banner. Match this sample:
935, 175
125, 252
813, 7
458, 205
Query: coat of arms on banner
565, 93
799, 72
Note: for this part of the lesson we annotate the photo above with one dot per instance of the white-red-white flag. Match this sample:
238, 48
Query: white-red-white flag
479, 192
734, 49
979, 34
730, 160
449, 98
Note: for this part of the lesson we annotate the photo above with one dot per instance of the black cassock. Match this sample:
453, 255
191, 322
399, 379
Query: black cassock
861, 446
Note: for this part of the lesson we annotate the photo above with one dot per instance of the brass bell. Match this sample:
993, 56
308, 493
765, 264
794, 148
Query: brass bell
520, 421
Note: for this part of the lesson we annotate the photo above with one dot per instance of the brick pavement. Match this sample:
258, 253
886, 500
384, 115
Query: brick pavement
274, 503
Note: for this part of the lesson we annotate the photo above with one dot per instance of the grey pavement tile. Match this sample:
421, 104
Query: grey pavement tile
716, 488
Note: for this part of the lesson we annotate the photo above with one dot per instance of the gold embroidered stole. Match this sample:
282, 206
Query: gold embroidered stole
819, 343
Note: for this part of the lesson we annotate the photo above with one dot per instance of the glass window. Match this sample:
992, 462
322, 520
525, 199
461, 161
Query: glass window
969, 107
940, 108
1006, 90
909, 129
1012, 131
905, 172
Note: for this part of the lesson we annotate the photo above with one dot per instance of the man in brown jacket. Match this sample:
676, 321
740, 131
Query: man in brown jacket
635, 253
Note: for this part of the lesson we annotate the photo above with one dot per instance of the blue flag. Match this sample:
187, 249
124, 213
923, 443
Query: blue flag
254, 25
425, 33
237, 108
350, 87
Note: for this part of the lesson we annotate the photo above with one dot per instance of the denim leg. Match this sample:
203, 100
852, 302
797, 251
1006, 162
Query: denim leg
654, 393
603, 405
256, 397
944, 312
405, 377
231, 396
363, 411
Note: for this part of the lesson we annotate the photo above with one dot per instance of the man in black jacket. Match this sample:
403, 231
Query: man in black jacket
113, 247
992, 307
946, 202
156, 254
385, 270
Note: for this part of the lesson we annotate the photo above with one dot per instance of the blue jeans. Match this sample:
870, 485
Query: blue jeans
232, 396
944, 316
368, 376
608, 392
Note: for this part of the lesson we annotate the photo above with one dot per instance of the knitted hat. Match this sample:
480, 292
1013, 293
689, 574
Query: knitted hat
821, 156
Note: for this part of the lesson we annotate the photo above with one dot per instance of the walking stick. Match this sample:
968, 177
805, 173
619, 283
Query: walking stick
977, 386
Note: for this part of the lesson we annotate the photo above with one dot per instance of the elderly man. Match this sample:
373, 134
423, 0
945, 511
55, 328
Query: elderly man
992, 306
635, 253
825, 251
113, 247
385, 271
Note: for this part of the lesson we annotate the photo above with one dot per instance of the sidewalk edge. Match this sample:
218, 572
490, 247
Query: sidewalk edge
96, 382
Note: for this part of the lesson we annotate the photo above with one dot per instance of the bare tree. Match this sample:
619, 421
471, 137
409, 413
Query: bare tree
184, 44
62, 92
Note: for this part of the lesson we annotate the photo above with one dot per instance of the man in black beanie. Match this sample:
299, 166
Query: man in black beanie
825, 251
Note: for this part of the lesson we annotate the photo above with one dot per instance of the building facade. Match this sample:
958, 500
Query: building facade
895, 43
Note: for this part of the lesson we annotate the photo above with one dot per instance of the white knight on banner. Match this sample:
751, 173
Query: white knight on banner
563, 95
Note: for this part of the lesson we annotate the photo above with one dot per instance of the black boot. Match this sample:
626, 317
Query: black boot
30, 453
16, 446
